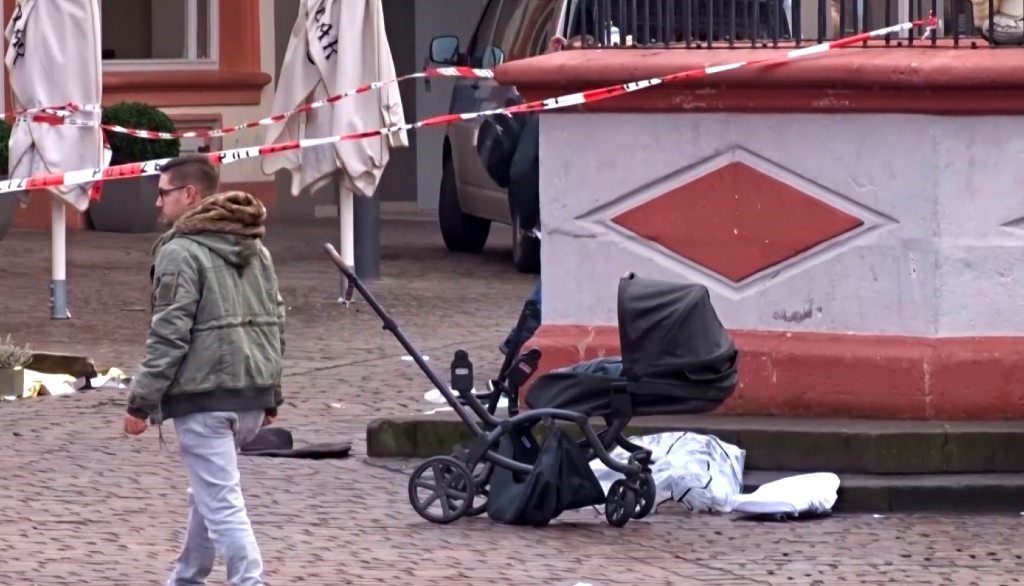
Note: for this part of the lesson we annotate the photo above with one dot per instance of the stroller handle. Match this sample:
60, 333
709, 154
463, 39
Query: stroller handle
391, 326
350, 277
337, 260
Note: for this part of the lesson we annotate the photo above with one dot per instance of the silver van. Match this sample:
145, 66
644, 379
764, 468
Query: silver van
469, 199
516, 29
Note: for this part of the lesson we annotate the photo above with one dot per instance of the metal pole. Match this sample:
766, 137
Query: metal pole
346, 230
58, 258
367, 237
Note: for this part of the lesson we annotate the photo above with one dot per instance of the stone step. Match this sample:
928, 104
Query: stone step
917, 493
842, 446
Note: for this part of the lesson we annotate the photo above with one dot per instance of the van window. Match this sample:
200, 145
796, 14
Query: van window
543, 21
510, 24
536, 27
525, 27
482, 38
507, 29
513, 29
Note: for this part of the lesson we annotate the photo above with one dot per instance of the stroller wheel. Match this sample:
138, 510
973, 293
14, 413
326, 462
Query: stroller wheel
481, 476
620, 504
477, 510
647, 494
445, 482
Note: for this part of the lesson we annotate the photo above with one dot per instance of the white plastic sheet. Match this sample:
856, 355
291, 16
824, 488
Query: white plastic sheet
793, 496
700, 471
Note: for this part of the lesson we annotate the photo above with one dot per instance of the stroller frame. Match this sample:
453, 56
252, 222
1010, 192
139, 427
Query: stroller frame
456, 479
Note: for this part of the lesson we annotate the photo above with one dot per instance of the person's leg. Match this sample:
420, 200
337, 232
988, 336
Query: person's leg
509, 341
198, 555
209, 443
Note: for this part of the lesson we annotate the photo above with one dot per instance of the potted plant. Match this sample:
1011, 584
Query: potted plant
8, 201
129, 205
13, 359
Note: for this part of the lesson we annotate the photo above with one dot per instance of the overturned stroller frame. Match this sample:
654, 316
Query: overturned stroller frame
456, 478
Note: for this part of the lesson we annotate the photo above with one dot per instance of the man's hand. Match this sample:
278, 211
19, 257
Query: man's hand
133, 425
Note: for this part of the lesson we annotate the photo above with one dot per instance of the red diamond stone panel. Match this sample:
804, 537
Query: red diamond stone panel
737, 221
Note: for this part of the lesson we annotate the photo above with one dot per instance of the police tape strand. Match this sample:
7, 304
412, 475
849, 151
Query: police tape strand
61, 115
129, 170
21, 114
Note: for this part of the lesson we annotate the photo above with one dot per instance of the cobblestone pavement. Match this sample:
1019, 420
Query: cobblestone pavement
84, 504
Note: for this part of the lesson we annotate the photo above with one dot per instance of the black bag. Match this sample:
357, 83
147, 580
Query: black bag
496, 143
561, 480
524, 174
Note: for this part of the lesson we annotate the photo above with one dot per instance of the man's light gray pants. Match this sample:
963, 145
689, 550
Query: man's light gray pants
217, 519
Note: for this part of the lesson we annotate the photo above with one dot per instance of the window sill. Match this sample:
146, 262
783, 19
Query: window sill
185, 87
154, 65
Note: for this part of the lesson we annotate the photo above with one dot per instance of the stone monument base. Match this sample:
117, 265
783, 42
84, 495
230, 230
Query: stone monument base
839, 375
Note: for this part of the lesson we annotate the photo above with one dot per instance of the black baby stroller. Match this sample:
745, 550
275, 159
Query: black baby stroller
676, 358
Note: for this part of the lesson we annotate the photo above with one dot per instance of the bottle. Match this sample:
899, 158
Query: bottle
613, 34
462, 372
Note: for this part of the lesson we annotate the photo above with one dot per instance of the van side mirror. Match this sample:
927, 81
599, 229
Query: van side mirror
444, 50
493, 57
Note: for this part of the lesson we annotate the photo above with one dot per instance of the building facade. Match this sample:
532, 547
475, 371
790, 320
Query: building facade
213, 63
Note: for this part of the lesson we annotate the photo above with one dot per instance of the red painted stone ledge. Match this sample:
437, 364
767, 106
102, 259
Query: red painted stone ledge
843, 375
920, 79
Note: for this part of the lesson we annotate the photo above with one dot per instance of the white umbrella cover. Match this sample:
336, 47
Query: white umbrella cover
53, 59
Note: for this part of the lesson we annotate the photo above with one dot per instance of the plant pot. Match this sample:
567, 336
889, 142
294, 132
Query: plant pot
126, 206
8, 208
12, 382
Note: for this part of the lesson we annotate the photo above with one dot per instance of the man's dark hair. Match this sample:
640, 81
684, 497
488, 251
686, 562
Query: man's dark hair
194, 170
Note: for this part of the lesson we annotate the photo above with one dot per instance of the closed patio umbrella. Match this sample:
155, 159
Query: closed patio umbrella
335, 46
53, 58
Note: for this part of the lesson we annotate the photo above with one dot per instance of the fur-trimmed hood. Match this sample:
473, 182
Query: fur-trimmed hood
228, 223
231, 212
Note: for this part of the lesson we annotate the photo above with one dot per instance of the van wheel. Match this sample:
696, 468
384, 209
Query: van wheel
460, 231
525, 248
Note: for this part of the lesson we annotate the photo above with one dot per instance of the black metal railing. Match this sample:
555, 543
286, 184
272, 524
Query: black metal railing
775, 23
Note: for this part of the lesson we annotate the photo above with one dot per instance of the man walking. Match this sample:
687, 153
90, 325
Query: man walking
213, 358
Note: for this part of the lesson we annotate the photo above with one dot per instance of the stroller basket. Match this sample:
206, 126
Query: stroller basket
527, 481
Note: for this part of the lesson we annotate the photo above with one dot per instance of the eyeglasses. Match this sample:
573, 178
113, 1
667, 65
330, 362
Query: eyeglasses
162, 193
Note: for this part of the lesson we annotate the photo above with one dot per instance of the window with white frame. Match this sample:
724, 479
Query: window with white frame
199, 122
151, 34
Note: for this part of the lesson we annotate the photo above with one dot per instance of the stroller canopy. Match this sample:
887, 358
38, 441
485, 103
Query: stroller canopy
668, 329
676, 356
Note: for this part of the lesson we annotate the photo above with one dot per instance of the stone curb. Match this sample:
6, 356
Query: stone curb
884, 466
917, 493
799, 445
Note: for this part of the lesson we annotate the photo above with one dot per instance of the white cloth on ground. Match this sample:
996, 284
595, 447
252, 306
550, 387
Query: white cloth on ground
802, 494
700, 471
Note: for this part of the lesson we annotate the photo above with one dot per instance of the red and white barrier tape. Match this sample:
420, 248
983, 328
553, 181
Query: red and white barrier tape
61, 115
232, 155
58, 110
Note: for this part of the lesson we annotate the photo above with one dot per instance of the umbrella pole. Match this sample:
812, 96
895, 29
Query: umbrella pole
366, 211
346, 228
58, 276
